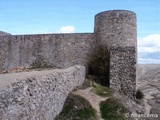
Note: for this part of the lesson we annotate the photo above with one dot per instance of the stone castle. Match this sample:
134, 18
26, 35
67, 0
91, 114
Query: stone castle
116, 29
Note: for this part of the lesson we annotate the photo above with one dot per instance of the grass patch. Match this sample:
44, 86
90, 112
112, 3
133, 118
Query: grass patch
77, 108
102, 91
85, 114
111, 109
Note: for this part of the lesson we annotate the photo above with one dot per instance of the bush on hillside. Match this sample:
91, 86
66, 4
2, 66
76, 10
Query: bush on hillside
77, 108
112, 109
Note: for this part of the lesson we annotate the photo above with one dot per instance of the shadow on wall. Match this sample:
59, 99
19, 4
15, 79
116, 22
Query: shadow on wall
99, 65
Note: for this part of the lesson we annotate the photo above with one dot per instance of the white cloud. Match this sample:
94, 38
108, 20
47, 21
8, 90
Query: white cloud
67, 29
149, 49
149, 44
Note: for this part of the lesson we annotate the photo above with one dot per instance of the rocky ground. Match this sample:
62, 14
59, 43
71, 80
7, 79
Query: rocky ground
148, 81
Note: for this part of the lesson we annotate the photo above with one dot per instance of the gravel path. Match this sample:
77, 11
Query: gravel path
92, 98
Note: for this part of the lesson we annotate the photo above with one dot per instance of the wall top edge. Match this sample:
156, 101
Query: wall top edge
116, 11
48, 34
9, 78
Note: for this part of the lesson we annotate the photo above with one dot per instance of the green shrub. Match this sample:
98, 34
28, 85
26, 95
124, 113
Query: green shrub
40, 62
102, 91
112, 109
139, 95
77, 108
99, 64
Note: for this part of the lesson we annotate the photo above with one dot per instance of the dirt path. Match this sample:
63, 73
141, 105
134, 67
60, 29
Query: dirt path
92, 98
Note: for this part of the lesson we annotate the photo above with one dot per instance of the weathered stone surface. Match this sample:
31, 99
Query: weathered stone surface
37, 95
60, 50
116, 28
112, 28
123, 70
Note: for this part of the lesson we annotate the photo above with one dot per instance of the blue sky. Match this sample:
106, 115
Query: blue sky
53, 16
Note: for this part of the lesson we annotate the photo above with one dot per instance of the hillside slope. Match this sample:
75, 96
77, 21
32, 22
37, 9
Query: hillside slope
148, 81
148, 72
4, 33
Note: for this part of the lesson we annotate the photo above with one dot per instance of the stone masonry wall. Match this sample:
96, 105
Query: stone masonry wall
61, 50
116, 28
111, 28
37, 95
123, 70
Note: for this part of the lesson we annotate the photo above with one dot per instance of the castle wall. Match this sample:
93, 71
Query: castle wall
123, 70
61, 50
37, 95
116, 28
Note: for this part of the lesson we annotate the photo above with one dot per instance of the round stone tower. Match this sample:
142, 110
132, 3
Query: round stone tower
116, 28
